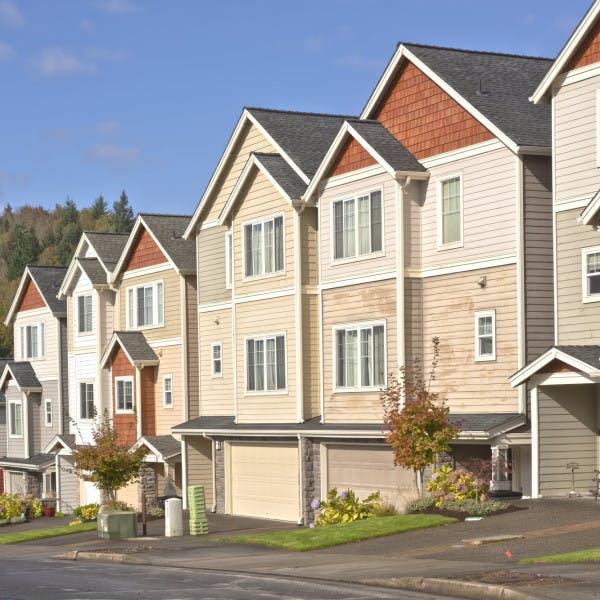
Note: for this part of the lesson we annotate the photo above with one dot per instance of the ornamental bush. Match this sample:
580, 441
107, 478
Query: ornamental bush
345, 507
11, 506
447, 484
87, 512
35, 507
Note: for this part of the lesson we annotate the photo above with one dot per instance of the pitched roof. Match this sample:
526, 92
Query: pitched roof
33, 463
166, 445
48, 281
281, 171
93, 268
108, 246
135, 346
586, 354
23, 374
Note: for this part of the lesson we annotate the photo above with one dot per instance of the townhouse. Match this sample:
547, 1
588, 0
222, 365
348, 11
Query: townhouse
35, 384
564, 379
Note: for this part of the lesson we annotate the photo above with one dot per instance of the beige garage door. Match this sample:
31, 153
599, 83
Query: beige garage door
367, 469
264, 481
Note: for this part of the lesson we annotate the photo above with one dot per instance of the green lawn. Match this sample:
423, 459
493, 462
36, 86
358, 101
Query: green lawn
302, 540
579, 556
40, 534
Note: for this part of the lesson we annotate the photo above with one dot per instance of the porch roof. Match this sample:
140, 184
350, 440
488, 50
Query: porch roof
38, 462
162, 446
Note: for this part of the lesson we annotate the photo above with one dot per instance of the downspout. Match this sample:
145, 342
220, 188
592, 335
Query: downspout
99, 338
184, 347
401, 183
138, 400
301, 481
213, 508
60, 378
184, 476
26, 424
298, 316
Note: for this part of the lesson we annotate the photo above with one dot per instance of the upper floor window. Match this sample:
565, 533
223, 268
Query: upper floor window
263, 247
591, 274
145, 305
450, 212
358, 226
32, 341
265, 363
485, 335
360, 356
124, 394
228, 259
216, 351
48, 412
87, 409
84, 313
168, 391
16, 419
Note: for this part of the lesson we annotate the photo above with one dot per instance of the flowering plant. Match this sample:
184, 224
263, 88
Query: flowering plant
345, 507
447, 484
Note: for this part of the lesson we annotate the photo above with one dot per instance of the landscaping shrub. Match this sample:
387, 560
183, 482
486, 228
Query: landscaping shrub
421, 504
447, 484
11, 506
345, 507
386, 510
475, 508
482, 469
118, 506
35, 508
87, 512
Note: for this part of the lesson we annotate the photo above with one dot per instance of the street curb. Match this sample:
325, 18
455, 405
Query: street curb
451, 587
103, 557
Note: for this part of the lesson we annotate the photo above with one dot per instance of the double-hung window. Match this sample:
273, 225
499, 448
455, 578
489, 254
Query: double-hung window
591, 274
263, 247
265, 363
16, 419
124, 394
360, 356
32, 341
84, 313
168, 391
87, 409
48, 412
357, 226
216, 353
145, 305
485, 335
450, 208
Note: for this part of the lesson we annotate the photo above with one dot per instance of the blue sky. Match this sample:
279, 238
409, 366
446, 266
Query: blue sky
103, 95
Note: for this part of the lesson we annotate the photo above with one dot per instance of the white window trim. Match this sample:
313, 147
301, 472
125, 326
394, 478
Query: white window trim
264, 336
243, 238
212, 360
12, 435
156, 325
357, 257
87, 382
46, 402
229, 259
124, 411
585, 297
478, 315
460, 242
79, 333
164, 390
359, 325
41, 341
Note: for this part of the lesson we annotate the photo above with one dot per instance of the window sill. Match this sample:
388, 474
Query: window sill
145, 327
479, 359
168, 406
359, 258
590, 299
358, 390
251, 278
266, 393
84, 333
125, 412
14, 436
450, 246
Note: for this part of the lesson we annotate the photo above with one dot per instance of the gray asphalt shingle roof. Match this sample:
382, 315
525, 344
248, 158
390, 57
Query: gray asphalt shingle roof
498, 85
93, 268
590, 355
281, 171
136, 346
108, 246
24, 375
48, 281
35, 462
167, 445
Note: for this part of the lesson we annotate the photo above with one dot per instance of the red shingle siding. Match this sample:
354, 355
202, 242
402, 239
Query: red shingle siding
588, 52
425, 118
124, 424
352, 157
145, 253
148, 405
32, 298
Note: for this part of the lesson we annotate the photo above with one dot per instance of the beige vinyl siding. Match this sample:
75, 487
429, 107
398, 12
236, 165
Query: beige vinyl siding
48, 365
575, 139
311, 364
191, 355
574, 316
414, 198
262, 200
199, 465
171, 302
352, 305
413, 314
537, 249
170, 364
449, 305
211, 266
70, 321
381, 262
15, 447
251, 140
130, 495
489, 200
309, 226
567, 433
257, 319
216, 393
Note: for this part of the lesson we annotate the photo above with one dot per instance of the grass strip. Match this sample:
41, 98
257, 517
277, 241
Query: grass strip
578, 556
303, 540
40, 534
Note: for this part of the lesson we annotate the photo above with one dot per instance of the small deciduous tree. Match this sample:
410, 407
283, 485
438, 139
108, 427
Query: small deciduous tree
108, 462
416, 420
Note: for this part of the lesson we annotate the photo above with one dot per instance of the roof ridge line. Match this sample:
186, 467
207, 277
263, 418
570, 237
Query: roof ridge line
298, 112
470, 51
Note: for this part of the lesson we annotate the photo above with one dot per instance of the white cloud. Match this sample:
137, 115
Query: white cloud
54, 61
112, 153
6, 52
118, 7
108, 127
10, 15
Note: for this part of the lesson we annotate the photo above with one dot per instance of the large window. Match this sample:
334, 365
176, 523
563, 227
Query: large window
145, 306
263, 247
591, 274
87, 409
124, 394
32, 341
216, 352
357, 226
485, 335
16, 419
48, 412
360, 356
265, 363
84, 313
450, 212
168, 391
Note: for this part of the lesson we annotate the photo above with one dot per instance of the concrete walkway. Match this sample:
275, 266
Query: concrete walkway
544, 527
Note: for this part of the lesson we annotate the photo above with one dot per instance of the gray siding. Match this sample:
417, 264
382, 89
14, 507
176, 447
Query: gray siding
537, 247
67, 484
15, 446
47, 433
211, 266
3, 427
193, 373
567, 433
414, 197
64, 379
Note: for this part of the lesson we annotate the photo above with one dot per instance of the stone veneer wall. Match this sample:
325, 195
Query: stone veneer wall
311, 477
148, 484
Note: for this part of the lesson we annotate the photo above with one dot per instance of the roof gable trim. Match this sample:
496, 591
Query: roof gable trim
14, 307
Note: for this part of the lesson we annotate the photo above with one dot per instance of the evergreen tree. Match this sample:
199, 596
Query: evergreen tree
22, 248
99, 207
122, 217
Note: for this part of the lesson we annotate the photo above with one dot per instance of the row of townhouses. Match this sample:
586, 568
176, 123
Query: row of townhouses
246, 346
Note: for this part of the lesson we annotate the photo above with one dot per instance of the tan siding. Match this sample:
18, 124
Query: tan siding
216, 393
311, 364
129, 495
348, 305
539, 276
414, 197
309, 241
170, 364
191, 358
199, 465
211, 266
567, 433
449, 305
70, 321
172, 304
413, 311
266, 317
262, 200
574, 316
575, 139
47, 366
